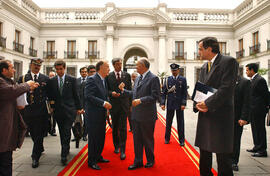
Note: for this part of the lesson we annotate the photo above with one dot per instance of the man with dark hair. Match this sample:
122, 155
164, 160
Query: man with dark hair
66, 104
96, 109
120, 106
80, 87
11, 124
35, 113
145, 93
259, 101
241, 118
216, 117
174, 91
91, 69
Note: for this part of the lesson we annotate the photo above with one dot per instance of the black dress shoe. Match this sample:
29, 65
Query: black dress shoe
95, 167
73, 140
64, 161
260, 154
103, 160
182, 144
35, 163
122, 156
117, 150
235, 167
134, 166
251, 150
53, 134
167, 142
149, 164
84, 138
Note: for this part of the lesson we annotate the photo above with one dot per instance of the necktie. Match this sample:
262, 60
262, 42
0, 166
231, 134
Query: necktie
61, 85
140, 80
118, 77
35, 78
209, 66
83, 80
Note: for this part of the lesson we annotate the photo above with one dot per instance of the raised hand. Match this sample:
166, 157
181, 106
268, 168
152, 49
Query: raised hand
121, 86
32, 84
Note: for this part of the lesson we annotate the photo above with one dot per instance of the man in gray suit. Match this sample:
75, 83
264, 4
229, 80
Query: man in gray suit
145, 93
216, 117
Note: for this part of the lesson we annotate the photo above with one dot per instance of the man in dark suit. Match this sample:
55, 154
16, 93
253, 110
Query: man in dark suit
120, 106
175, 91
35, 113
258, 109
96, 109
80, 87
145, 94
216, 117
241, 116
66, 103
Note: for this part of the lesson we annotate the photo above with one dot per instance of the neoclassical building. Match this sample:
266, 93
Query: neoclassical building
82, 36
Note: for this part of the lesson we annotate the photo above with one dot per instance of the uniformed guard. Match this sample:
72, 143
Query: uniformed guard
35, 113
175, 91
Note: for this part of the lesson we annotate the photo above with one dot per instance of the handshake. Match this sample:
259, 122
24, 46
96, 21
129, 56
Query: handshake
135, 102
32, 84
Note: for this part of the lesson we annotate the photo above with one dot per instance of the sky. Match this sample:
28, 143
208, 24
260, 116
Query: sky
216, 4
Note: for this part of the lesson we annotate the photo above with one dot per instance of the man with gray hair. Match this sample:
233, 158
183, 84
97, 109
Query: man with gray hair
120, 106
145, 94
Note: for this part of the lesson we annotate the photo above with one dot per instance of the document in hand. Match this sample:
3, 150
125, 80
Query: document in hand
201, 92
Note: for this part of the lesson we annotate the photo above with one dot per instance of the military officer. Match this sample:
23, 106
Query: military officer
35, 113
175, 91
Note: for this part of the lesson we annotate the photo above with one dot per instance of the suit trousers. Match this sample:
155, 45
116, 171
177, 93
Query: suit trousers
223, 161
6, 163
258, 131
37, 127
180, 124
143, 137
64, 125
238, 130
96, 140
119, 128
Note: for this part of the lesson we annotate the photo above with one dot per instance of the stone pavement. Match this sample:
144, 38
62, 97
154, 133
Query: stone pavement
50, 164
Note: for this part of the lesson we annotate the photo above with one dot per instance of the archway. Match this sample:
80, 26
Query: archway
130, 58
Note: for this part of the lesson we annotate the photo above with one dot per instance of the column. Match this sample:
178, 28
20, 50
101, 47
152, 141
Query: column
109, 43
162, 57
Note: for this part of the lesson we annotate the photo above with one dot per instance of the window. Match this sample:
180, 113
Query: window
71, 53
1, 28
17, 36
18, 68
241, 45
32, 42
255, 38
2, 39
71, 70
92, 49
222, 48
32, 52
48, 69
197, 74
196, 53
179, 50
51, 54
240, 53
182, 71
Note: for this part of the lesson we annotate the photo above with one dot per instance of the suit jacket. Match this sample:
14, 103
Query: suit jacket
148, 91
242, 99
37, 99
69, 102
80, 89
95, 95
177, 98
10, 117
259, 95
121, 101
215, 127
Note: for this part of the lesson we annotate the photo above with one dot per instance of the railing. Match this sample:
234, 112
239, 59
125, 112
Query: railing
61, 15
3, 42
244, 7
196, 56
268, 45
179, 55
71, 54
32, 52
28, 5
216, 17
49, 54
18, 47
185, 16
254, 49
87, 15
240, 54
91, 55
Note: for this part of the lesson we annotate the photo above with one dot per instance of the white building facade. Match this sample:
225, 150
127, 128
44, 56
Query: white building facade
83, 36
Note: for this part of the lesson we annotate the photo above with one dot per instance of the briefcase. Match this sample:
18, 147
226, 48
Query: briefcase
77, 128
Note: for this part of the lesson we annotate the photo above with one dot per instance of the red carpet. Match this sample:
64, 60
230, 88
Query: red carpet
171, 159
